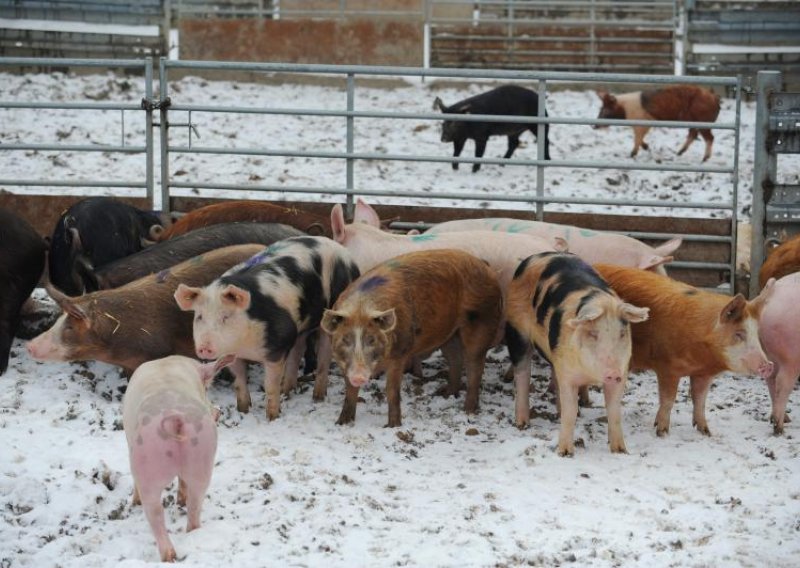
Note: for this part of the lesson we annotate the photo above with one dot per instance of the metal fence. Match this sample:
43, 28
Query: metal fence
84, 28
171, 122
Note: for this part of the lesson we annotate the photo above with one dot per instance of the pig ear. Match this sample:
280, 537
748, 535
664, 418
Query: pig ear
734, 310
366, 214
236, 296
155, 232
337, 223
386, 321
331, 321
560, 245
587, 314
601, 93
76, 245
655, 261
760, 301
438, 104
633, 314
65, 303
186, 296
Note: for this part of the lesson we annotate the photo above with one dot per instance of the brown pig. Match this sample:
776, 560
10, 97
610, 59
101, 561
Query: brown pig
409, 306
688, 103
171, 431
689, 332
560, 305
139, 321
244, 211
783, 260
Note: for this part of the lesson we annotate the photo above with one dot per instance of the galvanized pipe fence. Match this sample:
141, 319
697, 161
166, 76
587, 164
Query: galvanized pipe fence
348, 185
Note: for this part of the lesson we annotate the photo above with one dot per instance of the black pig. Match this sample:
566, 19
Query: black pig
91, 233
508, 100
22, 253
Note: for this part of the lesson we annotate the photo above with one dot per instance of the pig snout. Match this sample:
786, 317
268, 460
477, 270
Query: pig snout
44, 348
358, 376
206, 351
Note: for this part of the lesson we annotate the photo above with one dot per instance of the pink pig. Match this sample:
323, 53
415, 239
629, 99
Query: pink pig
591, 246
171, 431
779, 331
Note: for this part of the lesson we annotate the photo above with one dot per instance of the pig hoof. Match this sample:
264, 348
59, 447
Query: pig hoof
168, 555
619, 449
243, 406
475, 168
455, 165
345, 419
777, 430
661, 432
566, 452
522, 425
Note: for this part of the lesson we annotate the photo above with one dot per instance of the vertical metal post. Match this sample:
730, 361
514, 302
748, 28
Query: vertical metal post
148, 131
351, 84
164, 123
426, 36
592, 37
510, 32
540, 138
735, 211
166, 24
764, 171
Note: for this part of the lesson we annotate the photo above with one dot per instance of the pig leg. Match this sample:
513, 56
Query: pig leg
136, 500
453, 354
513, 144
691, 137
273, 374
613, 394
324, 354
638, 138
292, 368
785, 380
568, 395
348, 413
699, 388
709, 138
583, 397
181, 492
475, 363
522, 387
667, 391
198, 479
480, 148
394, 379
154, 511
239, 370
458, 146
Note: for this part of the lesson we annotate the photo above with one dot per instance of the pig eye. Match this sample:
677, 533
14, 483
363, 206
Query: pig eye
225, 318
369, 341
198, 317
593, 334
740, 336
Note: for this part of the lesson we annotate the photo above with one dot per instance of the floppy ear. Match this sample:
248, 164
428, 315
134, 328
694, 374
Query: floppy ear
601, 93
734, 310
209, 370
386, 321
331, 321
236, 296
438, 104
338, 223
586, 315
633, 314
186, 296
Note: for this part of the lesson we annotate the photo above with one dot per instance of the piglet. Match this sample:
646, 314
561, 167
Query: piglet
779, 331
171, 431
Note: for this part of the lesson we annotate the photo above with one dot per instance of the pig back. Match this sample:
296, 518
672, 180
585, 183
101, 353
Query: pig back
247, 211
171, 385
164, 255
783, 260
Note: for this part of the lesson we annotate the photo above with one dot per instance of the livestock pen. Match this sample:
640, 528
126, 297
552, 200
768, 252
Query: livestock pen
346, 159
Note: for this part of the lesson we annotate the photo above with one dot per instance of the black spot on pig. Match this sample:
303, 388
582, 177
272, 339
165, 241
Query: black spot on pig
505, 100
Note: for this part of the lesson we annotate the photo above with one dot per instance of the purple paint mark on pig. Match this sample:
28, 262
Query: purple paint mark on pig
372, 283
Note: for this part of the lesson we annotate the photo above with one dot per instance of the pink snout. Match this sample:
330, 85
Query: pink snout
42, 348
358, 380
206, 351
766, 369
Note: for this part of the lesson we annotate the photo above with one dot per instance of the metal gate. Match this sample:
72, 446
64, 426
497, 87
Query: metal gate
338, 175
776, 206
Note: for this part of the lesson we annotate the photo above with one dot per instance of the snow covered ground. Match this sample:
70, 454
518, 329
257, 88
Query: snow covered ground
444, 489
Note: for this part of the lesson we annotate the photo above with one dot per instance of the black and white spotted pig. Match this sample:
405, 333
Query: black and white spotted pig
263, 310
560, 305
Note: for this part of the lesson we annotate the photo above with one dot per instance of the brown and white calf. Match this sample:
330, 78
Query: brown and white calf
676, 102
560, 305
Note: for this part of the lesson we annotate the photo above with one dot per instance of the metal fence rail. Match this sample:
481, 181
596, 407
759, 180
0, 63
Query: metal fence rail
171, 111
144, 67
